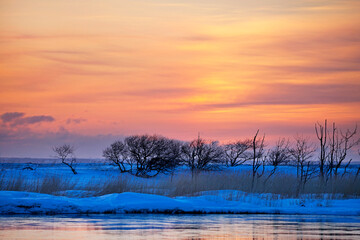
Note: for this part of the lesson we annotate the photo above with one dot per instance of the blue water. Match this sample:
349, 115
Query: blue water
142, 226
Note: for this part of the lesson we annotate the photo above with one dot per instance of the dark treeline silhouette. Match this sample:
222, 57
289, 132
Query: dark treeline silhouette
150, 155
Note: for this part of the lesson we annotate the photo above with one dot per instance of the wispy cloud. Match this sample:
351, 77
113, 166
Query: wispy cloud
11, 116
17, 119
291, 94
140, 94
33, 120
75, 120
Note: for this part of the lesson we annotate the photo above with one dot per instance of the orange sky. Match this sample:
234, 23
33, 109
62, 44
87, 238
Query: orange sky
77, 69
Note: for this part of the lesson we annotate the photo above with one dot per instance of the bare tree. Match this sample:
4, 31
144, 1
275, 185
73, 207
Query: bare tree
236, 153
258, 157
168, 155
153, 154
201, 155
66, 154
118, 155
278, 155
333, 153
302, 153
358, 170
332, 150
339, 146
321, 133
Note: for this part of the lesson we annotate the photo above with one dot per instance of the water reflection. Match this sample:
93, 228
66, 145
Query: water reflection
179, 227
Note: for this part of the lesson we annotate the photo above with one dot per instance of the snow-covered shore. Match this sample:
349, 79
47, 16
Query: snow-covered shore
36, 203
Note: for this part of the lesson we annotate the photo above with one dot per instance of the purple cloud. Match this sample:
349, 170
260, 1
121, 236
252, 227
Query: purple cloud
32, 120
11, 116
17, 118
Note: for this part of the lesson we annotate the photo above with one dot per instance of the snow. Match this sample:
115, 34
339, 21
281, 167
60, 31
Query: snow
35, 203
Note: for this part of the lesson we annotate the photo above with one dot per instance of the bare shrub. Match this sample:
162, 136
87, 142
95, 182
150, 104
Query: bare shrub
237, 153
302, 153
153, 154
200, 155
278, 155
118, 155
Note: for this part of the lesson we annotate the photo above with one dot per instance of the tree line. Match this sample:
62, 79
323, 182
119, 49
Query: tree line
150, 155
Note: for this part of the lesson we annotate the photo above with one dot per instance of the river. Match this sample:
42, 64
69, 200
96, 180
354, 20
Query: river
157, 226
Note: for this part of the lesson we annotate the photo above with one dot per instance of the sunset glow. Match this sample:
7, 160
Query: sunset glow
92, 71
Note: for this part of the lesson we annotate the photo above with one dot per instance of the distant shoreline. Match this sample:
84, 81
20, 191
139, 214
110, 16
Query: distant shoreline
85, 160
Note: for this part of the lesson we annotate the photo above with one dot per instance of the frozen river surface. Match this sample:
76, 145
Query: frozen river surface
157, 226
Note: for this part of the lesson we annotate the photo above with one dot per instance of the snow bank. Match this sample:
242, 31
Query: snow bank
35, 203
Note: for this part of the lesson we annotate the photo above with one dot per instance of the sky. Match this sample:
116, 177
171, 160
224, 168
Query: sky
88, 72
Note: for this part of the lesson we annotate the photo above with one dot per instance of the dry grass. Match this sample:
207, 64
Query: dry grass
12, 184
53, 184
184, 185
47, 184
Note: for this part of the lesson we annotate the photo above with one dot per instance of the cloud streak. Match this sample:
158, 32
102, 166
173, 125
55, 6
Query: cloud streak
18, 119
11, 116
75, 120
33, 120
291, 94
